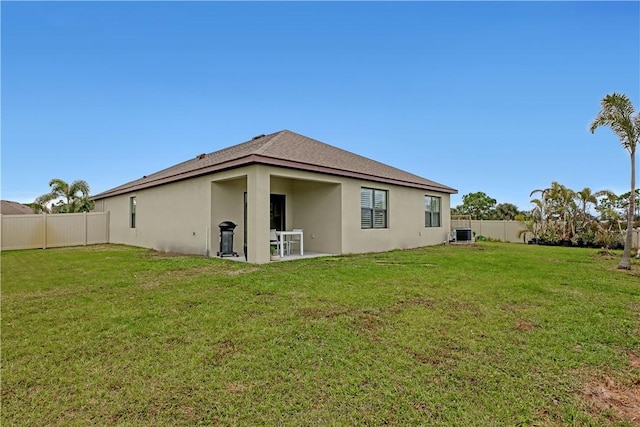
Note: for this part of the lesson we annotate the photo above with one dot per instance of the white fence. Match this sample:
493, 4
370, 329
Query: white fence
48, 231
507, 231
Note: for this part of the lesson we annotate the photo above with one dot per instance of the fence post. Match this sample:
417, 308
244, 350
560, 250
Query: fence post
86, 231
108, 229
44, 229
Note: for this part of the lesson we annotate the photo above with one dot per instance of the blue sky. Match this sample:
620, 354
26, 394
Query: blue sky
480, 96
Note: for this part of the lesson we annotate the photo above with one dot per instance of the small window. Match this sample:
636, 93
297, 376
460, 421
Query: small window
373, 208
432, 211
132, 212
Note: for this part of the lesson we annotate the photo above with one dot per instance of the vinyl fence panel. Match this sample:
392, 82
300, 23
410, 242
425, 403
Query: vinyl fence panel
97, 228
22, 231
48, 231
505, 231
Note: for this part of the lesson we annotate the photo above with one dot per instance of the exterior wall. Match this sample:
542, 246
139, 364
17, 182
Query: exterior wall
169, 218
48, 231
405, 216
184, 216
318, 212
327, 208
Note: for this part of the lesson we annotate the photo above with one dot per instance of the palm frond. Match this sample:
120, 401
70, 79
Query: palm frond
617, 113
79, 186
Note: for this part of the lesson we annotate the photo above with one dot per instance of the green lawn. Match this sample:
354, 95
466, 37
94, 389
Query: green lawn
482, 335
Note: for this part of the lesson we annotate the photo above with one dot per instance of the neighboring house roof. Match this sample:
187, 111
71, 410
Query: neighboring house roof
14, 208
287, 149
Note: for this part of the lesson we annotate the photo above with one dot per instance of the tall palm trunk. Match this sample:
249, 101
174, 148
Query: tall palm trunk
618, 114
625, 262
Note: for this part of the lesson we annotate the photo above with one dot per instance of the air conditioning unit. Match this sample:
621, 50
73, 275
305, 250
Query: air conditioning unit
463, 235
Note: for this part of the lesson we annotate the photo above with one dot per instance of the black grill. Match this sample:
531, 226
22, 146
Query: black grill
226, 239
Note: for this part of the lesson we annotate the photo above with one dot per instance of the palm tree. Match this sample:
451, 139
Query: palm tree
617, 113
539, 212
531, 228
75, 197
584, 198
557, 209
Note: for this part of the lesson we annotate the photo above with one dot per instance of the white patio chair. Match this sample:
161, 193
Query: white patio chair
295, 239
274, 240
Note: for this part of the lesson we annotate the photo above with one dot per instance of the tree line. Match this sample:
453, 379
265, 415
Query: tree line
561, 216
479, 205
565, 216
583, 218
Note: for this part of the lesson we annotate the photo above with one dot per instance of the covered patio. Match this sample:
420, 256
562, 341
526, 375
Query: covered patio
262, 199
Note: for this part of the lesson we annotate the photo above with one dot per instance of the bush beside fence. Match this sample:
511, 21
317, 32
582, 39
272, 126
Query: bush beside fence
48, 231
507, 231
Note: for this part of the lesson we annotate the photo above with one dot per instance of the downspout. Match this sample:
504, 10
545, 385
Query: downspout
206, 243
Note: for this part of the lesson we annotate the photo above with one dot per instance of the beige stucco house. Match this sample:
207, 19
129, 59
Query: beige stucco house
345, 203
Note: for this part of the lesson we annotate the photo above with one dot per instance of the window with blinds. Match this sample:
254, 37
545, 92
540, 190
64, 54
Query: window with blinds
373, 208
132, 212
432, 207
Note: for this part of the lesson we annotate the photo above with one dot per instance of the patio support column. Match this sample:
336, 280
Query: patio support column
258, 191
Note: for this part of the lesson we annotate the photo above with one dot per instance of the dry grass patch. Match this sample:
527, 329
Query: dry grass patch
525, 326
615, 399
607, 396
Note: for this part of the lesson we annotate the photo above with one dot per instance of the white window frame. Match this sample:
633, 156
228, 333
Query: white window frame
432, 211
374, 208
132, 211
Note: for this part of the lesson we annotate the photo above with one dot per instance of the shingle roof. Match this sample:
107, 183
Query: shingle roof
286, 149
8, 207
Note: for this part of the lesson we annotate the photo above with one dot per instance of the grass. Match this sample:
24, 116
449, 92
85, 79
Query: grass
489, 334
